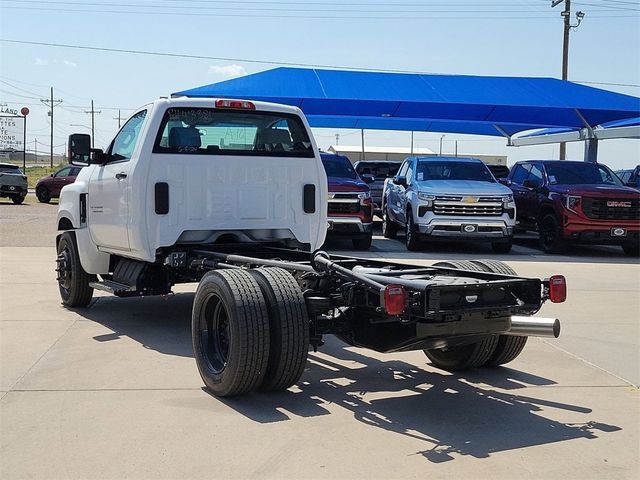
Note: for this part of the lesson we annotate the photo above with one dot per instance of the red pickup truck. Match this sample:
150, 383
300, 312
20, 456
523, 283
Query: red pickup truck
569, 201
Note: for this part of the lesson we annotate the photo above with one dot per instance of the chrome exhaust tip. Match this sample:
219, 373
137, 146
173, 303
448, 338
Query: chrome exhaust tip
534, 327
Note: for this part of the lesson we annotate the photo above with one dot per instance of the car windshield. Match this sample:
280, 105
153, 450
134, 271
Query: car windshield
210, 131
378, 170
452, 170
339, 167
581, 174
10, 169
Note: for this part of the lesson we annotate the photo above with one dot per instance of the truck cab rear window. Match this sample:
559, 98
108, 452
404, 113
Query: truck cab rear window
210, 131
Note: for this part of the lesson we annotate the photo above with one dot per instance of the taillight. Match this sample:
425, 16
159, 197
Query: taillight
557, 289
239, 104
395, 299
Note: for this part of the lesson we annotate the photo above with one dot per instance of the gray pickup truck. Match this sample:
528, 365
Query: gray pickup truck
13, 183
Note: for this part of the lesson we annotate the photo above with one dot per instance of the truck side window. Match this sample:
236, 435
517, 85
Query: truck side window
520, 174
536, 175
403, 170
126, 140
409, 173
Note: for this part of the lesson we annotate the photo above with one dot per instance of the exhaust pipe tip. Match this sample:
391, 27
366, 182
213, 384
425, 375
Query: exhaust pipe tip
534, 327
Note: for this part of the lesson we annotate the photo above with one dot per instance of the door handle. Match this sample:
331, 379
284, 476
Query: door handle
121, 176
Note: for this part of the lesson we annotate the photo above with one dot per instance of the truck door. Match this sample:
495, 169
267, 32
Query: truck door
531, 198
396, 192
519, 175
108, 212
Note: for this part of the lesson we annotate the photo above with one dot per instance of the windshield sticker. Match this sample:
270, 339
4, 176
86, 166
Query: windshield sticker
552, 179
420, 176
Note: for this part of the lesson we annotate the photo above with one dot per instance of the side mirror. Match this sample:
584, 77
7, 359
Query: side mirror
368, 178
532, 184
505, 181
79, 149
402, 181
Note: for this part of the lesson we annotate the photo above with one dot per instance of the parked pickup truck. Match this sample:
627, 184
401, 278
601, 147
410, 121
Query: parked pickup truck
448, 197
233, 195
379, 171
350, 210
631, 177
569, 201
13, 183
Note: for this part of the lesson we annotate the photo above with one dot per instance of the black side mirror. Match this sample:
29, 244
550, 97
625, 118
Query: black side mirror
98, 157
79, 149
367, 178
532, 184
402, 181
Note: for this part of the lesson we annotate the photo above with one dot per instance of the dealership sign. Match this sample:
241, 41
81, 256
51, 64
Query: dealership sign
11, 132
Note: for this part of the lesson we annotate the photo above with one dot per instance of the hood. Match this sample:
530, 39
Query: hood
595, 190
341, 184
462, 187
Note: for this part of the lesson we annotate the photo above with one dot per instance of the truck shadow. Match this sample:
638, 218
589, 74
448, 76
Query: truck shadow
476, 413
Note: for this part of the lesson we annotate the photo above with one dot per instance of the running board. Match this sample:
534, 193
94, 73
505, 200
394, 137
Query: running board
113, 287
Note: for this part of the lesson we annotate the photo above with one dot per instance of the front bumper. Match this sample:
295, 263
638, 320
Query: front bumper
599, 232
466, 228
348, 226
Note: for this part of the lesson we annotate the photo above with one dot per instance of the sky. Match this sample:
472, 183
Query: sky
476, 37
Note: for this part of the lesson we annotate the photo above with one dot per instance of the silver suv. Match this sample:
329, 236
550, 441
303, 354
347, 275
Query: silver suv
448, 197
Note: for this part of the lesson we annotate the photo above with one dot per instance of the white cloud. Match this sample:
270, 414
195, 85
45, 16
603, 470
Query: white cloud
69, 63
227, 71
39, 61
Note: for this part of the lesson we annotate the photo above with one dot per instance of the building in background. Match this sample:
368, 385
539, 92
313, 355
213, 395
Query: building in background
354, 153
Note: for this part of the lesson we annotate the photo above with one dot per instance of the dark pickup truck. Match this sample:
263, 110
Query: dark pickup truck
569, 201
380, 170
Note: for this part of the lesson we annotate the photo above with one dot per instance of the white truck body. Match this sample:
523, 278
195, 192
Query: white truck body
250, 198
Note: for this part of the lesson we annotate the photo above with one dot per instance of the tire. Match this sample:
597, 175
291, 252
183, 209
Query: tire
288, 328
43, 195
230, 332
17, 199
389, 227
502, 247
509, 346
410, 236
550, 234
631, 250
362, 243
73, 281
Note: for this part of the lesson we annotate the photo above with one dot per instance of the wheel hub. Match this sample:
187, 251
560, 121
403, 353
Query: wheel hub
63, 269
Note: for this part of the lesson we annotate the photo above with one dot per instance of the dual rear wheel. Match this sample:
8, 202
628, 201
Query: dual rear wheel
490, 351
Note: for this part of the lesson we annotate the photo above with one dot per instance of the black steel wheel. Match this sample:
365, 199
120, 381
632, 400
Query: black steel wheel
411, 236
73, 281
43, 195
550, 234
230, 332
389, 227
509, 346
288, 328
17, 199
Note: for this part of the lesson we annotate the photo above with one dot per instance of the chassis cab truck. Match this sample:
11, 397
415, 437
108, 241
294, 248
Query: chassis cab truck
231, 195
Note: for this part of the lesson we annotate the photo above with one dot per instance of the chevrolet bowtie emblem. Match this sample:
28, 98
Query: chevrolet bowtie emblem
470, 199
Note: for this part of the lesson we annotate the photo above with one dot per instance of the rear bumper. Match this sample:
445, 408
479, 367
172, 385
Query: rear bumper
6, 190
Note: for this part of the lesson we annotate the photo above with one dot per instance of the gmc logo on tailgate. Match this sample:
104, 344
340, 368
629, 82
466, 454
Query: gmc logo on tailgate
619, 204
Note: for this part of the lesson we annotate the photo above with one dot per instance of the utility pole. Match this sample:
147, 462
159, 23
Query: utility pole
35, 146
119, 118
93, 122
362, 137
566, 14
411, 142
337, 139
50, 102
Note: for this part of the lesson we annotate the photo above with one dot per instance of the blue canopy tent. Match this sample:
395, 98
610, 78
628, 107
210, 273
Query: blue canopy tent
497, 106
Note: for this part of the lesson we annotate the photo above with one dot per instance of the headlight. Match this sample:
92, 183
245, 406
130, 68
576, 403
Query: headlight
426, 197
507, 199
364, 195
571, 202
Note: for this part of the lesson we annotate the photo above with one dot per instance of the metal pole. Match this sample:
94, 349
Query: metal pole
35, 146
412, 143
51, 151
362, 136
565, 59
24, 145
441, 139
456, 148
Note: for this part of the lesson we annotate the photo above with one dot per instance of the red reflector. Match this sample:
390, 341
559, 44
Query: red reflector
395, 299
240, 104
557, 289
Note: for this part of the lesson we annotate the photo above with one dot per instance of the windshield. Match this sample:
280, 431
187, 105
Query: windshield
210, 131
10, 169
379, 171
452, 170
339, 167
581, 174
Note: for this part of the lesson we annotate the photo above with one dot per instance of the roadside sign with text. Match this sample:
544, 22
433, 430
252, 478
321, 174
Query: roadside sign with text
11, 133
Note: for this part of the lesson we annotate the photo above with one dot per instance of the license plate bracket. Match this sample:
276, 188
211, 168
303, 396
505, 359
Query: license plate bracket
618, 232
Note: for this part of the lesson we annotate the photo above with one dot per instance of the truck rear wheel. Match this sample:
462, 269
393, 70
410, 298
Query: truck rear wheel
73, 281
411, 236
463, 357
509, 346
230, 332
288, 327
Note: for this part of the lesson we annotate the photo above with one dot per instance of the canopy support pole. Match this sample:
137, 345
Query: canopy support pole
362, 136
591, 150
504, 134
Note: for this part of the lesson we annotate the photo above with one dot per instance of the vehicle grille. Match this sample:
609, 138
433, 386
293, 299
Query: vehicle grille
455, 205
342, 203
611, 208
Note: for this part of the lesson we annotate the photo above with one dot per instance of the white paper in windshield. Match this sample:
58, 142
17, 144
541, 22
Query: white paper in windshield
420, 176
552, 179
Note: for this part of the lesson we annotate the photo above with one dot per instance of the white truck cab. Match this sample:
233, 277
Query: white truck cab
197, 171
